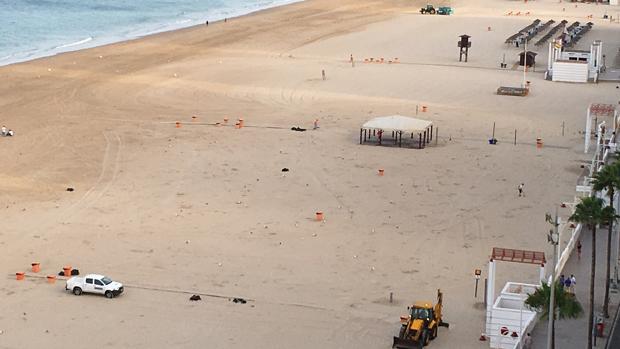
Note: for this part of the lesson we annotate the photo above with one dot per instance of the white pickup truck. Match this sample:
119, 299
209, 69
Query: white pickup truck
94, 283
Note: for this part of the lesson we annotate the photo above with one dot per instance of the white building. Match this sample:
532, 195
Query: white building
574, 65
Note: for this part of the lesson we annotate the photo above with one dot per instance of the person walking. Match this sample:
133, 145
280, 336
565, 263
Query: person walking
573, 282
520, 189
561, 281
567, 285
527, 341
579, 250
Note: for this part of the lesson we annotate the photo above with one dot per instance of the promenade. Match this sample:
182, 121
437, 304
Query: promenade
571, 333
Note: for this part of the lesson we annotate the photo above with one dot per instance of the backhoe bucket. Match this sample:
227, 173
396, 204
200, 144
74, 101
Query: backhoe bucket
402, 343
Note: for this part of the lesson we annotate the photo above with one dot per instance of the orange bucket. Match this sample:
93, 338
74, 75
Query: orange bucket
225, 120
194, 118
51, 279
381, 172
177, 124
424, 108
319, 216
240, 123
67, 270
539, 143
36, 267
19, 275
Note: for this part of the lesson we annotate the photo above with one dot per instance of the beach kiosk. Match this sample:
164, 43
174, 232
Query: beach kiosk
386, 130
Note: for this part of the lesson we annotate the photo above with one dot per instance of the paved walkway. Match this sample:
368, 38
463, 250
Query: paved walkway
614, 340
572, 333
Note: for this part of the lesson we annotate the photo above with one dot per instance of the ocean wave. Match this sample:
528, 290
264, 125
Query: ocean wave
142, 25
77, 43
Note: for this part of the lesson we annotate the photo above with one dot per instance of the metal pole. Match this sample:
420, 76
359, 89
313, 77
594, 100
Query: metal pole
521, 323
486, 285
552, 286
562, 128
493, 137
476, 291
524, 63
515, 136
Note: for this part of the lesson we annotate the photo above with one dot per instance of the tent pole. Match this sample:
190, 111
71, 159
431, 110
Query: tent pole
361, 135
420, 141
400, 141
424, 139
431, 132
364, 135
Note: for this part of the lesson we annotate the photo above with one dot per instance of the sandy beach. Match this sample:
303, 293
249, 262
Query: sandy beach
204, 209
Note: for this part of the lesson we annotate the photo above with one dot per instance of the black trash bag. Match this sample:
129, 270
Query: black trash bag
195, 298
239, 300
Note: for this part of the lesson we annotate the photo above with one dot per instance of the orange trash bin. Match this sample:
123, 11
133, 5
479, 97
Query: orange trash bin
36, 267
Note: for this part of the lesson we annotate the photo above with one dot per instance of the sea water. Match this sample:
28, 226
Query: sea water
31, 29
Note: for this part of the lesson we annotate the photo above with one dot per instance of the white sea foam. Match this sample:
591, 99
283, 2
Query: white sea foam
71, 25
73, 44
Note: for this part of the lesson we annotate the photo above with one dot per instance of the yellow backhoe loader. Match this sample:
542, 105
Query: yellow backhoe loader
421, 325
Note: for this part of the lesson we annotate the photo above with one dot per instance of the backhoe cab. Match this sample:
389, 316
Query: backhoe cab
420, 326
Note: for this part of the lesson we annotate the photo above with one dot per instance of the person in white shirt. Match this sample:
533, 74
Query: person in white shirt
4, 130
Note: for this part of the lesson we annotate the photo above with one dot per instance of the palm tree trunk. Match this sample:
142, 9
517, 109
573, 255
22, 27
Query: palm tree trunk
553, 329
592, 274
607, 273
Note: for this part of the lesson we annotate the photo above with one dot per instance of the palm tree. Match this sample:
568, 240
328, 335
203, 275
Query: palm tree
591, 213
567, 304
608, 178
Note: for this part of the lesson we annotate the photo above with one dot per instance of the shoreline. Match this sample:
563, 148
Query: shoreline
127, 36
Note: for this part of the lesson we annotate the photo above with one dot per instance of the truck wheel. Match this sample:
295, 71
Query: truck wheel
434, 332
109, 294
425, 338
403, 329
432, 12
77, 291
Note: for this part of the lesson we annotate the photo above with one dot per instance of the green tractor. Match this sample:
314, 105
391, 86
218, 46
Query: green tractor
430, 9
445, 10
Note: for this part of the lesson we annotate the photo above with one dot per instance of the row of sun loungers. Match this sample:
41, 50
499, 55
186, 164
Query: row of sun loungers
525, 33
551, 32
575, 33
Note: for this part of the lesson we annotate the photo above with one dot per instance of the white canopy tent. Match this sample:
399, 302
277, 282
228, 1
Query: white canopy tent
397, 125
